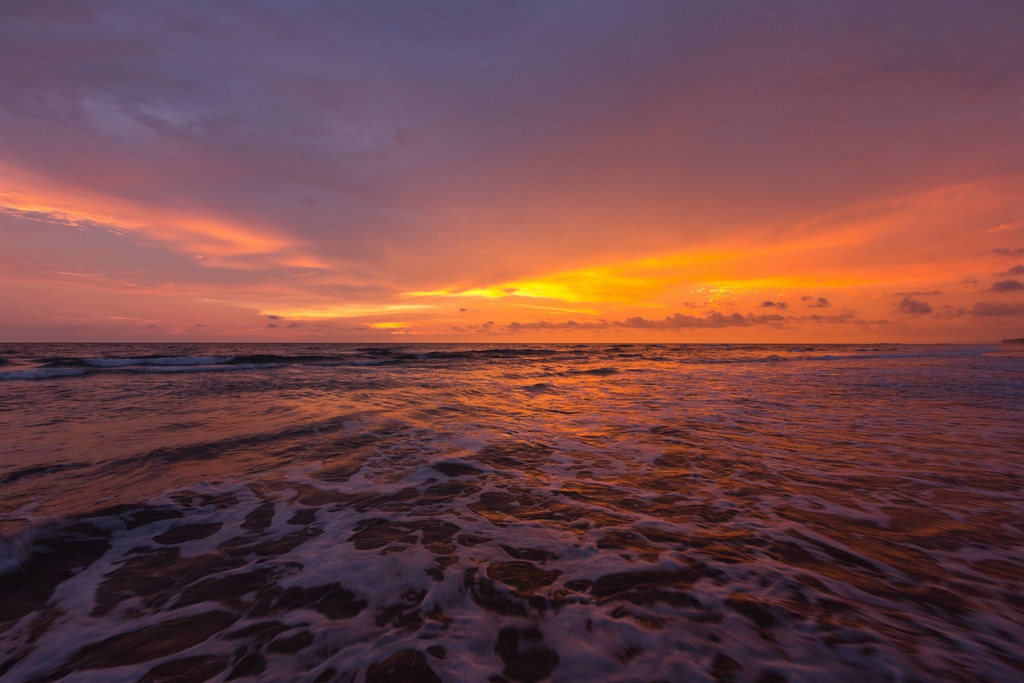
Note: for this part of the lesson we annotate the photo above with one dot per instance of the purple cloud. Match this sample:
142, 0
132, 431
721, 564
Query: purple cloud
1006, 286
820, 302
912, 306
988, 309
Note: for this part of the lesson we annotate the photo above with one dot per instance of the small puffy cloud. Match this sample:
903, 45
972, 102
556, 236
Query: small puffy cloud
912, 306
200, 325
1006, 286
1008, 252
820, 302
272, 325
463, 310
273, 317
927, 292
290, 325
988, 309
838, 318
951, 312
774, 304
968, 280
1016, 270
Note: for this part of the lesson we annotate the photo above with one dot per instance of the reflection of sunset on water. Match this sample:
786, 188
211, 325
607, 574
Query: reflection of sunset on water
838, 511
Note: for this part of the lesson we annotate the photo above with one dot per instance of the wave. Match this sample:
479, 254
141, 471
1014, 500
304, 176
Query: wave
15, 550
41, 373
158, 361
69, 366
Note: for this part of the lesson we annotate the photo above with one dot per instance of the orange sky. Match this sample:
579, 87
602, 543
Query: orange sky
544, 172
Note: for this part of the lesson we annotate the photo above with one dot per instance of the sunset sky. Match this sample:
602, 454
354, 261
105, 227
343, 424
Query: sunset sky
512, 171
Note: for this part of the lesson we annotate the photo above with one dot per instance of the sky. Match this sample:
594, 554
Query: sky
591, 171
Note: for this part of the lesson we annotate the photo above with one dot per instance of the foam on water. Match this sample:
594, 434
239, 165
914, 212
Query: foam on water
519, 514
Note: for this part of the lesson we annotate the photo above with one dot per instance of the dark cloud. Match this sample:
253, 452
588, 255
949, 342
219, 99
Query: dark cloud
820, 302
1006, 286
948, 312
273, 317
968, 280
712, 320
988, 309
678, 321
912, 306
1009, 252
567, 325
841, 318
272, 325
292, 325
1016, 270
774, 304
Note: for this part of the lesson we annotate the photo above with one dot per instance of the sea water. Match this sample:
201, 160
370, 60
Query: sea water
512, 513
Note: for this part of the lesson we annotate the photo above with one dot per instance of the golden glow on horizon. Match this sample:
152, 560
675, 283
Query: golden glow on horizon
850, 257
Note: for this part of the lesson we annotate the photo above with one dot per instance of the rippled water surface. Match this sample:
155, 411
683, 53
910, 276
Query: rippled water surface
511, 513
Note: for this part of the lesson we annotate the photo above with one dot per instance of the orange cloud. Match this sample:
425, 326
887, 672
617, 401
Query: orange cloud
208, 238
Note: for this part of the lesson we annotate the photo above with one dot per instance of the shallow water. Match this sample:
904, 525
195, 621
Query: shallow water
517, 513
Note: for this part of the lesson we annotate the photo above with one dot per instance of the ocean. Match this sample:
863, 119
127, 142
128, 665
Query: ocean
511, 513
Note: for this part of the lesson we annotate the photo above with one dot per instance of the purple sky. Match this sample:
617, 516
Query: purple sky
180, 170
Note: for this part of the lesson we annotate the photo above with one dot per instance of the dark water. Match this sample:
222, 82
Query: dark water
511, 513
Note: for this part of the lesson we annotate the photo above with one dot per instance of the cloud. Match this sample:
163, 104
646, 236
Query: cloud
713, 320
273, 317
820, 302
292, 325
948, 312
1016, 270
567, 325
1006, 286
912, 306
989, 309
929, 292
968, 280
272, 325
1007, 226
774, 304
1008, 252
678, 321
